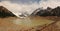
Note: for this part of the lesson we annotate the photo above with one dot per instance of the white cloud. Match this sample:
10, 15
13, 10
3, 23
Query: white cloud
50, 3
29, 8
17, 8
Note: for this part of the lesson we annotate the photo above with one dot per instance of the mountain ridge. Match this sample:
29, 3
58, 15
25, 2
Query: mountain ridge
4, 12
48, 12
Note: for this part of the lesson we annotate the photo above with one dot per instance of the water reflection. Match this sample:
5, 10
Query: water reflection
24, 21
17, 24
31, 21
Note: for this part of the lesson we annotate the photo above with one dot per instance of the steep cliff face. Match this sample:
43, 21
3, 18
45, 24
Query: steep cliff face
5, 12
49, 12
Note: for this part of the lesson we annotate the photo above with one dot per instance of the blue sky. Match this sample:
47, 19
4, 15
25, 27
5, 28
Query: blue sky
22, 1
16, 7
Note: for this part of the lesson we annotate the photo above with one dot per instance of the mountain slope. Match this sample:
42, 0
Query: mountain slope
5, 12
49, 12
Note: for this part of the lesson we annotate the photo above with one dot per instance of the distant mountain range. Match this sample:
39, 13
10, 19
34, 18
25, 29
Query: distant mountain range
47, 12
4, 12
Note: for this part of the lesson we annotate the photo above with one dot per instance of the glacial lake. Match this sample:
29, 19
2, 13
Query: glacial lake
14, 24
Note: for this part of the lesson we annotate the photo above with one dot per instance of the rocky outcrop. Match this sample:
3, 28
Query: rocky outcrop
49, 12
5, 12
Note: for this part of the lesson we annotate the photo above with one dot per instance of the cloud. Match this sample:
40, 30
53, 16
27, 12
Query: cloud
49, 3
18, 8
22, 1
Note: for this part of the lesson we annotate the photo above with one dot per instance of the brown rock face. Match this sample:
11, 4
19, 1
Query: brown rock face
49, 12
5, 12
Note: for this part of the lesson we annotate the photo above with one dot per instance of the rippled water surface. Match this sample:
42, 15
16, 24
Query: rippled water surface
14, 24
31, 21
